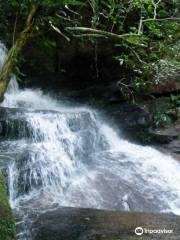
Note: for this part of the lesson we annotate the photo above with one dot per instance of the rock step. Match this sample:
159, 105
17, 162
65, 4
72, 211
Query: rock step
15, 124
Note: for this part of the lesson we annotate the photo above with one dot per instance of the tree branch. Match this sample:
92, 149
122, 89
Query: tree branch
89, 35
15, 25
99, 32
140, 31
10, 60
59, 31
161, 19
90, 32
155, 4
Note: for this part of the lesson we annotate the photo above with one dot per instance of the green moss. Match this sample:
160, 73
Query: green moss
7, 225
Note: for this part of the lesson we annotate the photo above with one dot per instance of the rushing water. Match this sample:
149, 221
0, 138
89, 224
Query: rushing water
69, 156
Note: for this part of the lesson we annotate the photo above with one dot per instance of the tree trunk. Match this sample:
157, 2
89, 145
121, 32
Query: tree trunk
10, 61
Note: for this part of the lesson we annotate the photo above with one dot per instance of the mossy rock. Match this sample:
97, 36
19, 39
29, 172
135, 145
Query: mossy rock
7, 224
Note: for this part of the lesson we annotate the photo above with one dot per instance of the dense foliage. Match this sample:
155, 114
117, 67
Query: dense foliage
144, 33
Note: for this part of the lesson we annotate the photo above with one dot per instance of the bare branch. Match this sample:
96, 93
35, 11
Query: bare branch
99, 32
89, 35
155, 7
161, 19
140, 26
65, 18
137, 56
59, 31
87, 32
140, 31
71, 11
15, 26
140, 23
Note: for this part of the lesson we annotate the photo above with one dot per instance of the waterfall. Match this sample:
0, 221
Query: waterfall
3, 52
70, 157
65, 155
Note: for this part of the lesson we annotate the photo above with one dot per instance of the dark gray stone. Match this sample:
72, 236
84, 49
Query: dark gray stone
165, 135
174, 146
92, 224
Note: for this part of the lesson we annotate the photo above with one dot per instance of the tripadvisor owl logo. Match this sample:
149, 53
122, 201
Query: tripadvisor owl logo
139, 231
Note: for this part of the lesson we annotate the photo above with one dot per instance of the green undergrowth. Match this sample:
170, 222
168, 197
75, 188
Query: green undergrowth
7, 225
167, 111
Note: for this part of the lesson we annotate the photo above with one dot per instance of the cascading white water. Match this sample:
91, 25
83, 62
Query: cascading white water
68, 156
71, 153
3, 52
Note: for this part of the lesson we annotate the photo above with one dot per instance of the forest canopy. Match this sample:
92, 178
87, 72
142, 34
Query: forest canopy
142, 31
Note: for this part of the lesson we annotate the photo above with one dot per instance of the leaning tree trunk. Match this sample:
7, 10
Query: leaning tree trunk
10, 61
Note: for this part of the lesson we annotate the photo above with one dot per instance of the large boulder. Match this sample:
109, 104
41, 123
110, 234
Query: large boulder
174, 146
92, 224
166, 134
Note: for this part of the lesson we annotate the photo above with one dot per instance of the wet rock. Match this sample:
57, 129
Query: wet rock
92, 224
6, 113
174, 146
172, 85
165, 135
132, 120
130, 115
12, 122
25, 180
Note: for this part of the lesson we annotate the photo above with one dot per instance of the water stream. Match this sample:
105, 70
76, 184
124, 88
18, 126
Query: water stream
64, 155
